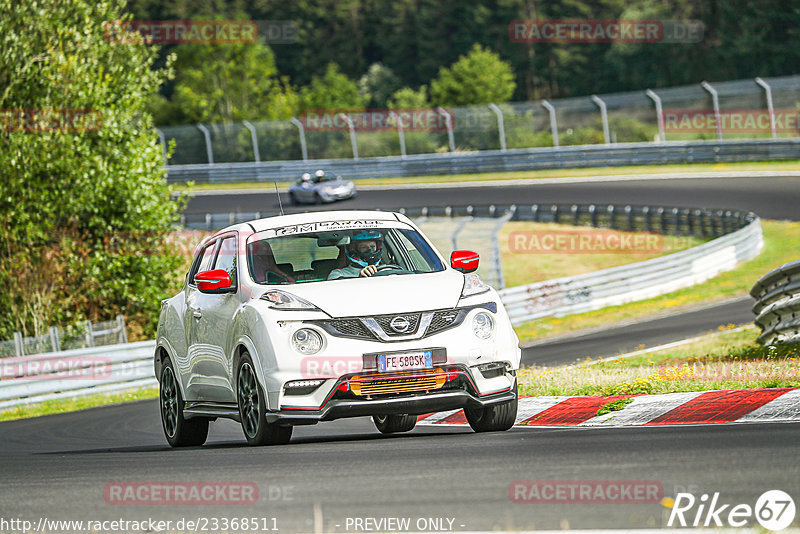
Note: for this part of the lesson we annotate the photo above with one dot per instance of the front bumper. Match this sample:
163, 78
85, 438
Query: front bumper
411, 404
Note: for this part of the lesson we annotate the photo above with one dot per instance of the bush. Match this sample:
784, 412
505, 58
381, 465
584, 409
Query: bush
83, 207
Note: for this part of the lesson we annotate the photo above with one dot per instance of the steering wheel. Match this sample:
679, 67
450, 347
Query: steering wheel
283, 277
389, 266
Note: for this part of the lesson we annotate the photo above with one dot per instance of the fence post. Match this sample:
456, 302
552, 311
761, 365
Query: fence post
715, 102
302, 131
89, 334
19, 346
207, 137
352, 128
123, 333
254, 139
770, 108
603, 116
497, 259
400, 133
448, 120
501, 129
54, 339
163, 141
553, 123
662, 135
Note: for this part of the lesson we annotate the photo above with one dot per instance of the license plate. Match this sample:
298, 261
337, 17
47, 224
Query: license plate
406, 360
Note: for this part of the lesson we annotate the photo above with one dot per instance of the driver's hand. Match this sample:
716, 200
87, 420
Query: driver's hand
369, 270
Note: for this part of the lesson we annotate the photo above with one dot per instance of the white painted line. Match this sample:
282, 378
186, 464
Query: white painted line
669, 312
784, 408
437, 417
643, 409
658, 348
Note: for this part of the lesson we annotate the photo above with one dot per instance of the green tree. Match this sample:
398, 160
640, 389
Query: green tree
221, 83
479, 77
333, 90
407, 98
377, 85
83, 204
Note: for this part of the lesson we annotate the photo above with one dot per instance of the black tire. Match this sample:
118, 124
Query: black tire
294, 199
253, 409
389, 424
317, 199
179, 431
494, 418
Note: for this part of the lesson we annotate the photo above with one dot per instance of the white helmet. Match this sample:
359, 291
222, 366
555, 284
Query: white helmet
306, 176
319, 174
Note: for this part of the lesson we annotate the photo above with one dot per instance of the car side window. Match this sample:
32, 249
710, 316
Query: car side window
226, 258
206, 258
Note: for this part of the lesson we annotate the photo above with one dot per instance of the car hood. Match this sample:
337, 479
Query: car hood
383, 294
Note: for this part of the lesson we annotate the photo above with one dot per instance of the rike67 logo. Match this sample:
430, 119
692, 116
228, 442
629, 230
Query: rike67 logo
774, 510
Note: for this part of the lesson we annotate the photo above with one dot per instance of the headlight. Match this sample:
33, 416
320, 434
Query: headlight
482, 325
473, 285
307, 341
286, 301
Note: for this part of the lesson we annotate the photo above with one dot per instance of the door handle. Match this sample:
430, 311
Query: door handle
197, 314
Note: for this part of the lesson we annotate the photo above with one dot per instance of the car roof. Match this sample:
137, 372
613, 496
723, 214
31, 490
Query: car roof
317, 216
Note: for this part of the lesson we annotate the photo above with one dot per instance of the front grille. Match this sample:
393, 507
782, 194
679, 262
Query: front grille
385, 323
442, 320
402, 382
350, 328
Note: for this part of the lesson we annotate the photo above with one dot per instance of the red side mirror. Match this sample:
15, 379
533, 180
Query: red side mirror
216, 281
465, 261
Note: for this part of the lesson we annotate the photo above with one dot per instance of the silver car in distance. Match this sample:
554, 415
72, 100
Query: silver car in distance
320, 187
298, 319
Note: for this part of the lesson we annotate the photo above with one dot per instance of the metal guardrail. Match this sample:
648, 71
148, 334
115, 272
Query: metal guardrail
741, 240
496, 160
74, 373
777, 306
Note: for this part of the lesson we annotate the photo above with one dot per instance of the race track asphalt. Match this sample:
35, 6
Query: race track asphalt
58, 467
768, 197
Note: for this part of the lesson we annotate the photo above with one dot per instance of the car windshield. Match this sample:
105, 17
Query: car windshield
326, 178
327, 255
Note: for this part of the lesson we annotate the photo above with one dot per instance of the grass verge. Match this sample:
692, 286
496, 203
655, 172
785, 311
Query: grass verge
76, 403
533, 252
721, 360
532, 175
736, 282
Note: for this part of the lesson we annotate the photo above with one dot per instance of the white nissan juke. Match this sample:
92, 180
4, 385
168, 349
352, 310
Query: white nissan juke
298, 319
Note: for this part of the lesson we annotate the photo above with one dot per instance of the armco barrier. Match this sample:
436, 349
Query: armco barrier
496, 160
777, 306
59, 375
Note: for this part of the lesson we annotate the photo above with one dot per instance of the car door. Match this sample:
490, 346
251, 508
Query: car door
191, 319
212, 371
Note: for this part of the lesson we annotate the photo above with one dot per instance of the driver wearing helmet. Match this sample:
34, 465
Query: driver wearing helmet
320, 174
363, 255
